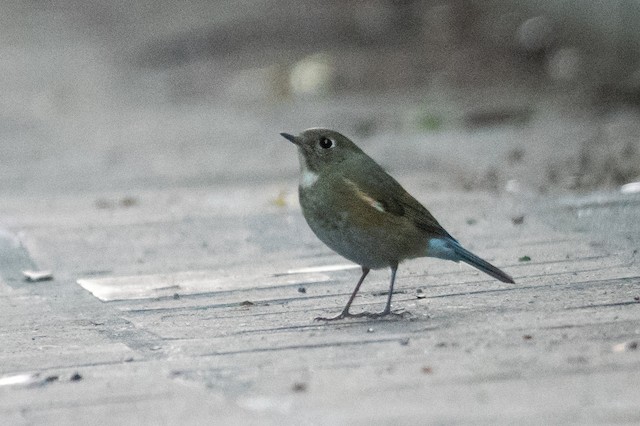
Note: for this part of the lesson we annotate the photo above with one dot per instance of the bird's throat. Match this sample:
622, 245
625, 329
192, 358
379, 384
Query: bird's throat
307, 177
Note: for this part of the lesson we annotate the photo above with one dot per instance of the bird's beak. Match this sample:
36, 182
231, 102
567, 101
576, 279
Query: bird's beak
290, 138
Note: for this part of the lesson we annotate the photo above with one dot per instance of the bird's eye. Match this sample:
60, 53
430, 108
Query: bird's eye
326, 143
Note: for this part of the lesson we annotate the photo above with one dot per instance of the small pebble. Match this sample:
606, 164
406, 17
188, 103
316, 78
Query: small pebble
517, 220
128, 202
299, 387
37, 276
51, 379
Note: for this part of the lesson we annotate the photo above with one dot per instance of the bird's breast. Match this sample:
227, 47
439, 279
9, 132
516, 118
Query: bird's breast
356, 225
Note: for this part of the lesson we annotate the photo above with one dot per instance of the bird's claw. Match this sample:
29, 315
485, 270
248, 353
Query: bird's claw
365, 314
386, 314
341, 315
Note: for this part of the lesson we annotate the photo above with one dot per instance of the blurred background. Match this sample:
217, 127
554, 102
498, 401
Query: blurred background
501, 95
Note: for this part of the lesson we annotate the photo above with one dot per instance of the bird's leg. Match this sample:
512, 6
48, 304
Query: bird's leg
345, 312
387, 309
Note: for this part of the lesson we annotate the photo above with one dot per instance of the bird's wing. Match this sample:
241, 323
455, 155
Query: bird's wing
391, 197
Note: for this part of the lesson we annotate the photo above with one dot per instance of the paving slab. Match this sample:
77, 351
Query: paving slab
221, 329
186, 282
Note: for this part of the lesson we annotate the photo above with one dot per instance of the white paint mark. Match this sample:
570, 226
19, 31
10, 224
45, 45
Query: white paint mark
188, 282
18, 379
630, 188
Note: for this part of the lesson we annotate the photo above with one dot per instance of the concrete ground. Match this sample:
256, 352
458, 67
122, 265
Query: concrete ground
185, 280
197, 305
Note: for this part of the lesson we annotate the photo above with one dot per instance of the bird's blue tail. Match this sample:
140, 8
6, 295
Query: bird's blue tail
450, 249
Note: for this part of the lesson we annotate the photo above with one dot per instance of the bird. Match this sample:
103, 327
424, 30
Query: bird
362, 213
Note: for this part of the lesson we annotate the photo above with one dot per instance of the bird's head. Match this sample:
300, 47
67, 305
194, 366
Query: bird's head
321, 149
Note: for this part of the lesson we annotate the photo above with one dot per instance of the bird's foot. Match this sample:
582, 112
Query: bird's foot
341, 315
365, 314
387, 314
347, 314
